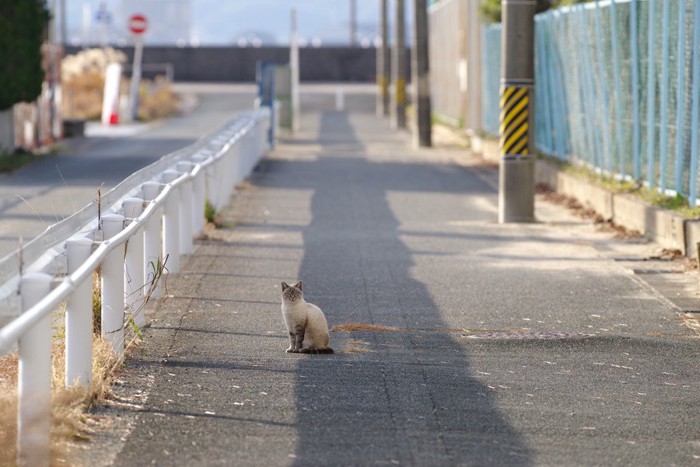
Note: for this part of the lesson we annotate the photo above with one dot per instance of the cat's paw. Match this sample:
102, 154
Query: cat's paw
290, 350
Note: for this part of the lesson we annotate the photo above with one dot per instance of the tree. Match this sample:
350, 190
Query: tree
22, 30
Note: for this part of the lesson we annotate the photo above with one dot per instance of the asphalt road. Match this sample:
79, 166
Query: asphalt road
58, 185
522, 344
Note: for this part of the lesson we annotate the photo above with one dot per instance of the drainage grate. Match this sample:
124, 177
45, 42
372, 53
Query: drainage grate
528, 335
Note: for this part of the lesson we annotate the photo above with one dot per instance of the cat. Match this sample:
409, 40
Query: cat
307, 326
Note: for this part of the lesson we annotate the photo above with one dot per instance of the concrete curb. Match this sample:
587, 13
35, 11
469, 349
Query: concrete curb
664, 227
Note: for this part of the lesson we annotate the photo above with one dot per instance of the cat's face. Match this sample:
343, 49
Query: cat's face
292, 293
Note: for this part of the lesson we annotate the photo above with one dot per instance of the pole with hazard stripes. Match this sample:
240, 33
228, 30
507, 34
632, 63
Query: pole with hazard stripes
516, 190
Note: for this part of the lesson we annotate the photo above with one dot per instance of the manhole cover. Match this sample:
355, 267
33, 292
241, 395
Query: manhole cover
528, 335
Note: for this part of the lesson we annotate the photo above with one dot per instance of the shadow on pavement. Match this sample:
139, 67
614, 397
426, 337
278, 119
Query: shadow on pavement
411, 398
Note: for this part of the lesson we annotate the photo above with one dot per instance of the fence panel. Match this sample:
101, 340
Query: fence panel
617, 86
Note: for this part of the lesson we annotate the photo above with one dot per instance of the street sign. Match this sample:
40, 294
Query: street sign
138, 23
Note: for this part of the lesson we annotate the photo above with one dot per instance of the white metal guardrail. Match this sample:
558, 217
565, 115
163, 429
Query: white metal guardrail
146, 221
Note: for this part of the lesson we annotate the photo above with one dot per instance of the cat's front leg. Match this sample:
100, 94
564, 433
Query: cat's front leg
292, 342
299, 331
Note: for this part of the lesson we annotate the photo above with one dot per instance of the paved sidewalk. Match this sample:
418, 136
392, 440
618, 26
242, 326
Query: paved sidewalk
509, 344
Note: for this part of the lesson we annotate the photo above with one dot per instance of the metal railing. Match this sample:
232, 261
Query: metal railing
134, 234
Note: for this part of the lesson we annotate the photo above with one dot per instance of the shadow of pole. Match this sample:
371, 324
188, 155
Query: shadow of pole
412, 400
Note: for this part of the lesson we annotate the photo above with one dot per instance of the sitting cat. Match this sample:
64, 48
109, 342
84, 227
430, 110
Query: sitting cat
308, 329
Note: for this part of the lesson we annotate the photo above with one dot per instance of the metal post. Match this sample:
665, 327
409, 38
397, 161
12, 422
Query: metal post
294, 68
651, 96
398, 65
680, 109
383, 62
152, 242
79, 318
135, 78
516, 190
171, 227
186, 210
199, 195
134, 281
421, 74
34, 378
113, 286
353, 23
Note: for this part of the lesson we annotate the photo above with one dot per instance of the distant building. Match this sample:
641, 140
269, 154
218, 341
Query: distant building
169, 21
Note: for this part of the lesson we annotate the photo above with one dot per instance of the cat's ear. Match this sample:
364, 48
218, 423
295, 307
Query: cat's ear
299, 284
285, 286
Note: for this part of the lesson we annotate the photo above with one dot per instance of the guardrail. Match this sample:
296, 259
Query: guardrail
144, 223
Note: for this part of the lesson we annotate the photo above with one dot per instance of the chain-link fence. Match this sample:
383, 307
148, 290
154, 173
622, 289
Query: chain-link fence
617, 87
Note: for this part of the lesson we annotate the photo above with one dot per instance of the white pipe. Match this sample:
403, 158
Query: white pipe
134, 281
152, 240
171, 227
186, 210
79, 318
34, 378
113, 286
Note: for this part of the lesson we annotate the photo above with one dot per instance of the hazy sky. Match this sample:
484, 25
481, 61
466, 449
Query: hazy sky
224, 22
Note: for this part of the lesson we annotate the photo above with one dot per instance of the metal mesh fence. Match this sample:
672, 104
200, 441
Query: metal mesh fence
617, 87
491, 77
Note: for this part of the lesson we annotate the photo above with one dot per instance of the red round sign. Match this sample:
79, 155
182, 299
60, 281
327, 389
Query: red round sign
138, 23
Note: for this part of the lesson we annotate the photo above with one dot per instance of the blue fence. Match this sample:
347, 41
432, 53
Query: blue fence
618, 88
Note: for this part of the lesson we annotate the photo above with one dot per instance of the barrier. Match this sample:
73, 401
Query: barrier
138, 231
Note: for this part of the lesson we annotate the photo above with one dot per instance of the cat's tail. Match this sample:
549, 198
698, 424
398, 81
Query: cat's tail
327, 350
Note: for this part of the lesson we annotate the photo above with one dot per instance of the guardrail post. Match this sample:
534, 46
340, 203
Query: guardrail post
79, 318
34, 378
186, 210
171, 227
152, 242
113, 286
199, 195
134, 271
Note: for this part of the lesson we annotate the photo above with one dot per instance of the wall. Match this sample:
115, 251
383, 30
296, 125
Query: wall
234, 64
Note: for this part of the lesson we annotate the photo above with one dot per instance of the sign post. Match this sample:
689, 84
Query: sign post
137, 25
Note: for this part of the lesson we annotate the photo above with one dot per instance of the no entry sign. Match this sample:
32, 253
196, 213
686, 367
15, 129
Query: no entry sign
138, 23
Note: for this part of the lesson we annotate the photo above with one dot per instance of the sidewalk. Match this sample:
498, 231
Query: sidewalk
508, 344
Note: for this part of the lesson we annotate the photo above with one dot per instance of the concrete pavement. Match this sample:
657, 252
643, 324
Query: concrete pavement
523, 344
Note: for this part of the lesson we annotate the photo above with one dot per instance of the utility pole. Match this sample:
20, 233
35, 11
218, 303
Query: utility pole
383, 61
421, 74
516, 186
398, 65
353, 23
294, 69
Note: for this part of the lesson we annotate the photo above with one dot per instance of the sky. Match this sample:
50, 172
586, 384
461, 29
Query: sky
230, 22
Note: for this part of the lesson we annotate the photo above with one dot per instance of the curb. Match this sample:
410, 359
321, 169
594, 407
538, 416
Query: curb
668, 229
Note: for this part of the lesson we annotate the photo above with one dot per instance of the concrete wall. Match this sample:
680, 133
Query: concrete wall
234, 64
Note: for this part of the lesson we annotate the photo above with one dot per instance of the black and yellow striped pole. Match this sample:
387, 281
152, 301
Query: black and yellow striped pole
516, 191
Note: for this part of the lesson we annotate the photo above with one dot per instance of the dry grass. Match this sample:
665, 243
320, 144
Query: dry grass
350, 327
68, 419
357, 346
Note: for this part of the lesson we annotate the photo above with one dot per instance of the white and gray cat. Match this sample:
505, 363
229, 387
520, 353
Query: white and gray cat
307, 326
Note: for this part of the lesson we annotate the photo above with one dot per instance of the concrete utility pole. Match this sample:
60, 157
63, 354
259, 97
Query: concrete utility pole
398, 65
353, 23
516, 186
294, 68
421, 74
383, 61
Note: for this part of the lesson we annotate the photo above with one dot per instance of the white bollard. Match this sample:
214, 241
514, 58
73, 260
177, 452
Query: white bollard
134, 281
152, 242
34, 378
79, 318
186, 210
171, 225
113, 286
